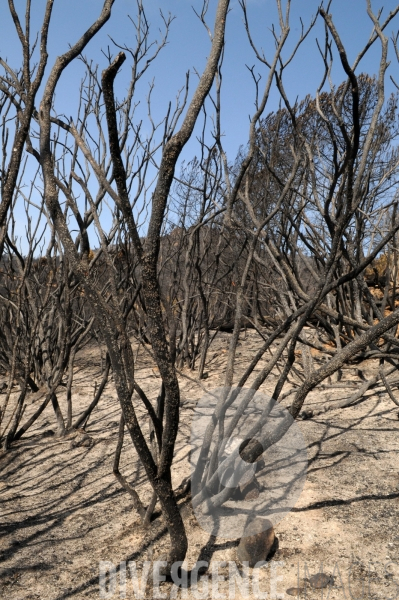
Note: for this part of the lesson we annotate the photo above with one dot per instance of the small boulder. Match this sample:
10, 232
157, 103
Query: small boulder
81, 439
294, 591
306, 414
258, 542
250, 490
86, 442
48, 433
319, 581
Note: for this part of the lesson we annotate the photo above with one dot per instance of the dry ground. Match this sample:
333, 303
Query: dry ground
62, 511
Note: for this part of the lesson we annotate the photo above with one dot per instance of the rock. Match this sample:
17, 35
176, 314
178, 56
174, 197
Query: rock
319, 580
48, 433
257, 543
260, 463
307, 414
251, 494
294, 591
86, 442
81, 439
250, 490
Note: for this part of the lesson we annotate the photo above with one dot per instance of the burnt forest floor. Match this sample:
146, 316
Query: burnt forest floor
62, 511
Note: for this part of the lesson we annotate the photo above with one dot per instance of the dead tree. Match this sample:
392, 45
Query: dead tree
301, 198
19, 91
114, 177
320, 195
45, 321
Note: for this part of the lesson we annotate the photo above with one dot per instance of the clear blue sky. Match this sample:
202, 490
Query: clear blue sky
188, 47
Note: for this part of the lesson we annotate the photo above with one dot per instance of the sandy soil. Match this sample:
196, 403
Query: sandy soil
62, 511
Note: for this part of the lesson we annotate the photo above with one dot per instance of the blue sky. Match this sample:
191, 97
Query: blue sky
188, 47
